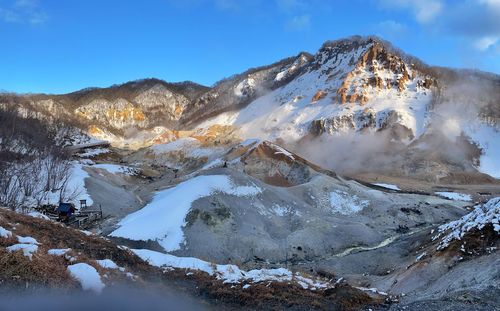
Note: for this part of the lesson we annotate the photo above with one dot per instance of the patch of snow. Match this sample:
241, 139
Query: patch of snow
454, 196
215, 163
38, 215
419, 257
227, 273
88, 277
387, 186
76, 185
107, 264
70, 258
58, 251
371, 289
244, 87
93, 152
4, 233
482, 215
283, 152
28, 249
345, 203
27, 240
131, 276
488, 138
117, 169
162, 220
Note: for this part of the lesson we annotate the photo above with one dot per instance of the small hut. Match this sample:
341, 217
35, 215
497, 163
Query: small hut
65, 210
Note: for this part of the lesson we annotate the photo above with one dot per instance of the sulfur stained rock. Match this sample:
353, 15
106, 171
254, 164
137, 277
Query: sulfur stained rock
319, 95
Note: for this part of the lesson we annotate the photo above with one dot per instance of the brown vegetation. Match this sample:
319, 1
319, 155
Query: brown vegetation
18, 272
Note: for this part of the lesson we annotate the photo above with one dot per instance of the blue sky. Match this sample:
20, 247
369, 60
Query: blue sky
56, 46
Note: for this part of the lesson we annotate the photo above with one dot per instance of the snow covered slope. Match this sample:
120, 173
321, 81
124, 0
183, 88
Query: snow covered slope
348, 85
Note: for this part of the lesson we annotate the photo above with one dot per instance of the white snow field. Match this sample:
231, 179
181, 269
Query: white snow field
163, 218
87, 275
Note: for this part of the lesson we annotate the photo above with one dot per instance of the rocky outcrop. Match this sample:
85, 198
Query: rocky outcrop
379, 69
366, 119
272, 164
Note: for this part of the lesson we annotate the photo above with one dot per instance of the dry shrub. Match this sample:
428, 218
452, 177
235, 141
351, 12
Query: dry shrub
17, 270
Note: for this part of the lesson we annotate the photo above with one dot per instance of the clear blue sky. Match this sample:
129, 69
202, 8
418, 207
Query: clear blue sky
56, 46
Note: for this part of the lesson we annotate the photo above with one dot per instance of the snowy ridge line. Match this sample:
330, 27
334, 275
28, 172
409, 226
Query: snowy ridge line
482, 215
231, 274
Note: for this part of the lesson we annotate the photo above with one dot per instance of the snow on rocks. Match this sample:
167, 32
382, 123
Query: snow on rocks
454, 196
87, 275
162, 220
345, 203
27, 249
4, 233
228, 273
482, 215
387, 186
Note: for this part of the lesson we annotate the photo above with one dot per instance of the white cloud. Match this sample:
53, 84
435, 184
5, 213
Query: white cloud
298, 23
485, 43
477, 22
391, 29
23, 12
424, 11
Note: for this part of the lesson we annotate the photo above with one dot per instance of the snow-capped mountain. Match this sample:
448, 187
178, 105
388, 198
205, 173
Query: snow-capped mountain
349, 84
350, 90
